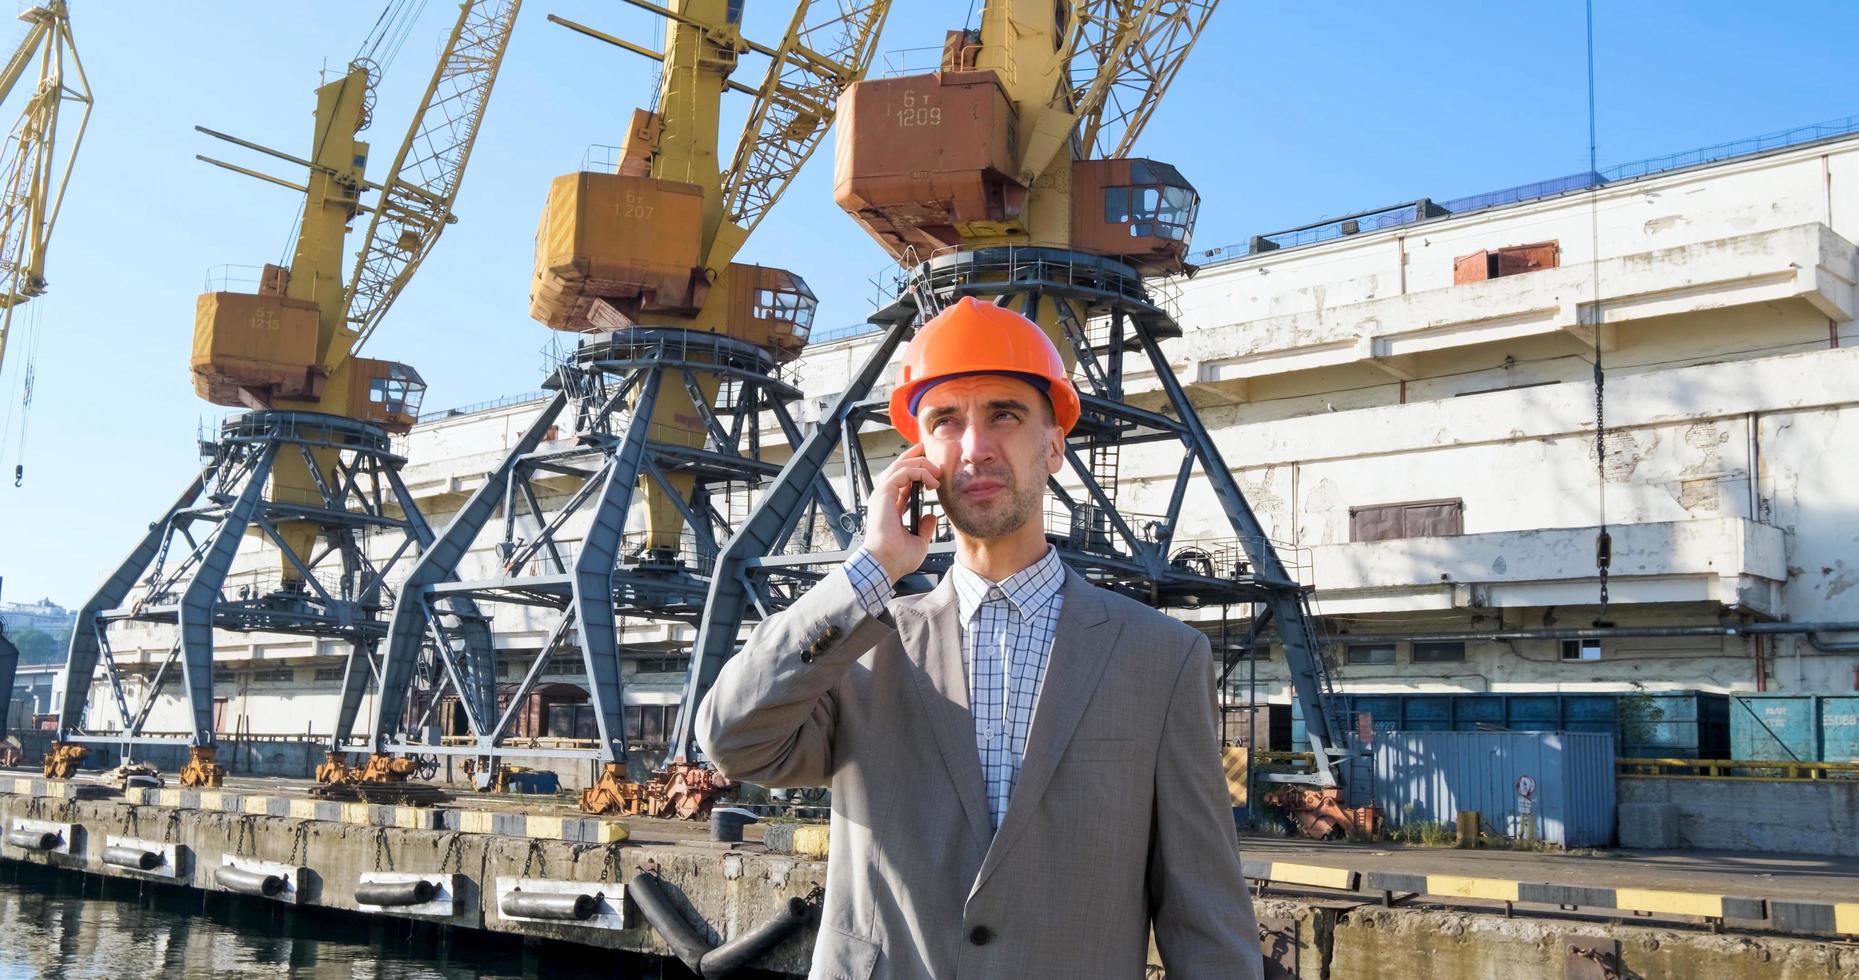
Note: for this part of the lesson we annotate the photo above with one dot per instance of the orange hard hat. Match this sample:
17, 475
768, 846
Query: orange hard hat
976, 337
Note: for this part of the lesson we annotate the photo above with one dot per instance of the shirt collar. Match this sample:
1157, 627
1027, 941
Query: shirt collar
1027, 590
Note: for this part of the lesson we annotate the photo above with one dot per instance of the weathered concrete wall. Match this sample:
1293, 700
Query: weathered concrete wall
1740, 815
1372, 942
733, 892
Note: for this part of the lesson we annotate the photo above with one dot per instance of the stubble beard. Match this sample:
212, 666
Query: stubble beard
1004, 515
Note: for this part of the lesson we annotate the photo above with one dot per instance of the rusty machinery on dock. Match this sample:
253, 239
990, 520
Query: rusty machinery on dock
309, 469
679, 352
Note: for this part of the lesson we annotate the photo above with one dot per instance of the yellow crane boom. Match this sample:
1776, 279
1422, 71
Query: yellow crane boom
35, 166
1123, 55
827, 47
416, 199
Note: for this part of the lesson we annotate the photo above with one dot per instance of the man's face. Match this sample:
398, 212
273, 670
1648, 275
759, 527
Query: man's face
994, 441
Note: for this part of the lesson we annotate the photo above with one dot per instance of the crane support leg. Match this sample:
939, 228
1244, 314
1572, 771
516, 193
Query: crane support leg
407, 629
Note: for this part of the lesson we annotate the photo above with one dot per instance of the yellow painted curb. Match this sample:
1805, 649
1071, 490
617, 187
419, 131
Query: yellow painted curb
812, 841
303, 809
1495, 889
211, 799
1846, 917
1316, 876
543, 827
260, 805
474, 821
1671, 903
170, 797
358, 813
22, 786
610, 831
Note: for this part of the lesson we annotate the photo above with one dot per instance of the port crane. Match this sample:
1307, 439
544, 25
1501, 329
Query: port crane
1008, 174
678, 353
308, 471
35, 165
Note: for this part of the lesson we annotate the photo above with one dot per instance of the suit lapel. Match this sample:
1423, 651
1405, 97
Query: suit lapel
932, 638
1080, 651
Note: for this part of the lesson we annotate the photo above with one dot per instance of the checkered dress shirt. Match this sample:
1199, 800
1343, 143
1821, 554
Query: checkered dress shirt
1007, 632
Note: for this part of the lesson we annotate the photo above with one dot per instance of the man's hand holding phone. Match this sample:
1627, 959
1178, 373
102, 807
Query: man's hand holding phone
888, 537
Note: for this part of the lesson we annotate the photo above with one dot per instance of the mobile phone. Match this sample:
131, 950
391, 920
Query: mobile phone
916, 506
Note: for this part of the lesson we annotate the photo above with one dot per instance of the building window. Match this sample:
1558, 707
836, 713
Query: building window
1439, 653
1412, 519
1498, 262
1581, 649
1370, 653
324, 674
650, 724
660, 665
282, 675
565, 665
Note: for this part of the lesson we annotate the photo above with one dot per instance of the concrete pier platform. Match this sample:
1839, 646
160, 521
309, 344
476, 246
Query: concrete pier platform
1337, 910
476, 849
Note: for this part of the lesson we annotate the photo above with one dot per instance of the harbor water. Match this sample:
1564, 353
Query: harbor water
66, 925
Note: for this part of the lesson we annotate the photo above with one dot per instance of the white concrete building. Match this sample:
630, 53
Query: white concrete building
1423, 446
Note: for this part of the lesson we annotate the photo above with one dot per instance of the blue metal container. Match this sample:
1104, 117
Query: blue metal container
1474, 711
1794, 727
1839, 728
535, 781
1679, 724
1774, 727
1431, 776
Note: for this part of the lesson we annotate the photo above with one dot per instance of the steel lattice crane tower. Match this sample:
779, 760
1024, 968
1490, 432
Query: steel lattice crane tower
1007, 175
35, 164
309, 470
679, 354
34, 169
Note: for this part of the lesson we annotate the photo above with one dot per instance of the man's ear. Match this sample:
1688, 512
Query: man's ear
1055, 450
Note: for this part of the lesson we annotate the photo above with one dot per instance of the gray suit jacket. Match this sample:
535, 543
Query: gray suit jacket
1120, 821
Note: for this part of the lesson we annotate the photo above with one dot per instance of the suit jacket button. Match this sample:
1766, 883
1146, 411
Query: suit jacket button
832, 633
806, 656
980, 935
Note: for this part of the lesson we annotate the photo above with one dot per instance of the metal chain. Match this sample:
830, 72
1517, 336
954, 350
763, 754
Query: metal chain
610, 864
245, 827
1603, 541
380, 849
130, 817
535, 851
174, 824
451, 855
300, 844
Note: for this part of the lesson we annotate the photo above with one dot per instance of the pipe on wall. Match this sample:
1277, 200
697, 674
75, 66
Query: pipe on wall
1627, 632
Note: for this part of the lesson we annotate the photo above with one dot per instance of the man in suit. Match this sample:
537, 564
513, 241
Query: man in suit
1025, 770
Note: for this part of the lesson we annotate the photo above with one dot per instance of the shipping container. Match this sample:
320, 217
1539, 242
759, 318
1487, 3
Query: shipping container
1676, 724
1556, 787
1794, 727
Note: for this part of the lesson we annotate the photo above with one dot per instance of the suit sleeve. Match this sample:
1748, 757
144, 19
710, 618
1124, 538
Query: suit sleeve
769, 717
1198, 900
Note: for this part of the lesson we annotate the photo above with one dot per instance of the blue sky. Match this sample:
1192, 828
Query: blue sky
1287, 112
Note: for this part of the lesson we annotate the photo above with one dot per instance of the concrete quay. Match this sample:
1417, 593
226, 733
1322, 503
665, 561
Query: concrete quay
1325, 910
475, 856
